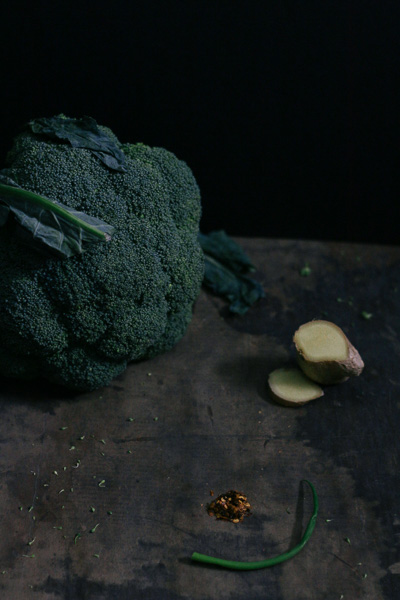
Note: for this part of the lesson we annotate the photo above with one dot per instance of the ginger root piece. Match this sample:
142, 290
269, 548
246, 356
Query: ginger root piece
325, 354
290, 387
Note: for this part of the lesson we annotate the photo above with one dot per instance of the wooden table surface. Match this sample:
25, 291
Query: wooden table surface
202, 422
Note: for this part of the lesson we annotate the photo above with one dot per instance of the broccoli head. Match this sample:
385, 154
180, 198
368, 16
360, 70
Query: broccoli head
79, 321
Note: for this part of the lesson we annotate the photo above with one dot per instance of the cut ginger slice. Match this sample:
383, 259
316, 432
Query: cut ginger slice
322, 340
290, 387
325, 354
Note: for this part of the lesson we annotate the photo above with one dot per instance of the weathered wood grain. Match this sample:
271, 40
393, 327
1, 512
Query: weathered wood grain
202, 421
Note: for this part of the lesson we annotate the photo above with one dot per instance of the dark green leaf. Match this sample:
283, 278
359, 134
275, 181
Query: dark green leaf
81, 133
219, 245
223, 272
47, 223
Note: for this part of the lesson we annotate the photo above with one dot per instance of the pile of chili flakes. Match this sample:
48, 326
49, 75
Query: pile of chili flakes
231, 506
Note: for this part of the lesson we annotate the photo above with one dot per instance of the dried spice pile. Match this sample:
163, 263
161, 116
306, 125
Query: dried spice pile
231, 506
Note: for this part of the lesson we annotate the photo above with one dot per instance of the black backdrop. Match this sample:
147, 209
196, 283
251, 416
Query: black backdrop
287, 112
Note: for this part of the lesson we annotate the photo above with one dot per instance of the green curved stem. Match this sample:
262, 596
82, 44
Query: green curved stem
261, 564
46, 204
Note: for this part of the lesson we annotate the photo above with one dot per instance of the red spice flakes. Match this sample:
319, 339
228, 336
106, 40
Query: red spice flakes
231, 506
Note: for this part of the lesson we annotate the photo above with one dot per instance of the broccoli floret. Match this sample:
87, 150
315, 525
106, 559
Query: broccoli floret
79, 321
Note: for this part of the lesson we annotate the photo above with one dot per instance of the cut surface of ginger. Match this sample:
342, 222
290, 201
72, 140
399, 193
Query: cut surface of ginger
291, 387
321, 341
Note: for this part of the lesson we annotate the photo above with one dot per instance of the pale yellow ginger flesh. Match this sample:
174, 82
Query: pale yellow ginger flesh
322, 341
324, 353
291, 387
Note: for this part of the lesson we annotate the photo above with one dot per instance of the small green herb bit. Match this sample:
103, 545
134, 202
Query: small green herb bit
305, 271
366, 315
94, 528
250, 566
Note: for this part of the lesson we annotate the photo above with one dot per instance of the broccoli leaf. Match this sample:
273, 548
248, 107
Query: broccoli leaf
47, 224
224, 266
81, 133
219, 245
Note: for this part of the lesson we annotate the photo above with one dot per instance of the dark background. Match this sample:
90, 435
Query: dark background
287, 112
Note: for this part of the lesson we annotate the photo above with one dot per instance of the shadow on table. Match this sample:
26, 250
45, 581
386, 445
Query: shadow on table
38, 393
250, 374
